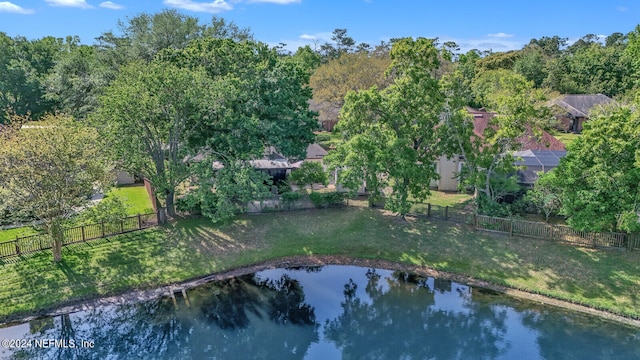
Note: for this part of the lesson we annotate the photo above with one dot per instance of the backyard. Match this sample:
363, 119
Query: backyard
135, 197
192, 248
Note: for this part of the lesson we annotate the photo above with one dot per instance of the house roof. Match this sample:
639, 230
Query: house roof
581, 105
315, 151
266, 164
528, 141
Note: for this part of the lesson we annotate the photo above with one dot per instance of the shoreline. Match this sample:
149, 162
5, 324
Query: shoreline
312, 260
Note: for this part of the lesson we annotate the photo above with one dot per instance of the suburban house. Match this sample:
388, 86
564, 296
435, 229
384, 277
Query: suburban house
573, 110
448, 168
279, 167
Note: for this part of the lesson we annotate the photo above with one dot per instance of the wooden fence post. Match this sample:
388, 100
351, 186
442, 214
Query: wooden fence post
121, 226
446, 212
139, 222
84, 238
511, 227
17, 247
428, 210
475, 220
102, 227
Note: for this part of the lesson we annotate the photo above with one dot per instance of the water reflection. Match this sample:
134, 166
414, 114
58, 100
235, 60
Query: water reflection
329, 312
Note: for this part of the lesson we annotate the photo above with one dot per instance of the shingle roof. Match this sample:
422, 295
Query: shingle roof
315, 151
581, 105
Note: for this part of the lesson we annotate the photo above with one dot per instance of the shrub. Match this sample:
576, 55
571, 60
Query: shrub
331, 199
290, 196
322, 137
190, 203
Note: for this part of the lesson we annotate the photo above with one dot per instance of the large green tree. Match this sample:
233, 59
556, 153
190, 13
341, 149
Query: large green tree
599, 180
397, 128
52, 170
222, 100
332, 80
24, 66
147, 114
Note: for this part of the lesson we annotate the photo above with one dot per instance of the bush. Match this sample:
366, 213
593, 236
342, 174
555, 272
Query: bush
290, 196
331, 199
322, 137
283, 187
190, 203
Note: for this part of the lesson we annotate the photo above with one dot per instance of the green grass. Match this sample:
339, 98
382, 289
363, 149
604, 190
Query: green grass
566, 138
606, 279
327, 139
135, 197
11, 234
456, 200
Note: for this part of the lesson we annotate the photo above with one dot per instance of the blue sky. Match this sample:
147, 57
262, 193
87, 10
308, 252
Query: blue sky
491, 24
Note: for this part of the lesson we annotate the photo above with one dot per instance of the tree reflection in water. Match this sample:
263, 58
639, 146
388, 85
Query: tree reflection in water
374, 315
401, 322
246, 318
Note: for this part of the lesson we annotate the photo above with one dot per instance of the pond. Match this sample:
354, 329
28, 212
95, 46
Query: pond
330, 312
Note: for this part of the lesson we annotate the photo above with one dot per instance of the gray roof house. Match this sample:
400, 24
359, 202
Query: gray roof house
574, 110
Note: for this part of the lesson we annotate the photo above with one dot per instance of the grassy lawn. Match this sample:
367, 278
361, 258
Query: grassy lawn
326, 139
606, 279
135, 197
565, 138
11, 234
450, 199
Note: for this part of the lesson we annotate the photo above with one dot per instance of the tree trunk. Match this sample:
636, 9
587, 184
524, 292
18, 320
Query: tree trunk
171, 206
56, 233
160, 212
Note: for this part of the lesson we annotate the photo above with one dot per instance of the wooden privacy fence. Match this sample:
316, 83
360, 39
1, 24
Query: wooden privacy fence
561, 233
84, 233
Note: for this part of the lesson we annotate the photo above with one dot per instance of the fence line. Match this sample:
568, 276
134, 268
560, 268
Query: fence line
560, 233
78, 234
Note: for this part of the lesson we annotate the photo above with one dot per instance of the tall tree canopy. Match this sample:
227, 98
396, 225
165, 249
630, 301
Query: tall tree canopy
391, 135
332, 80
220, 99
24, 66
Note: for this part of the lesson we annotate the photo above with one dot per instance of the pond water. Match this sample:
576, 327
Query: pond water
331, 312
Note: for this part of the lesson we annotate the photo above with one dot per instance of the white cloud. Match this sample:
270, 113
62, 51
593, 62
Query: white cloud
6, 6
493, 43
307, 37
281, 2
500, 35
214, 7
111, 5
622, 8
69, 3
